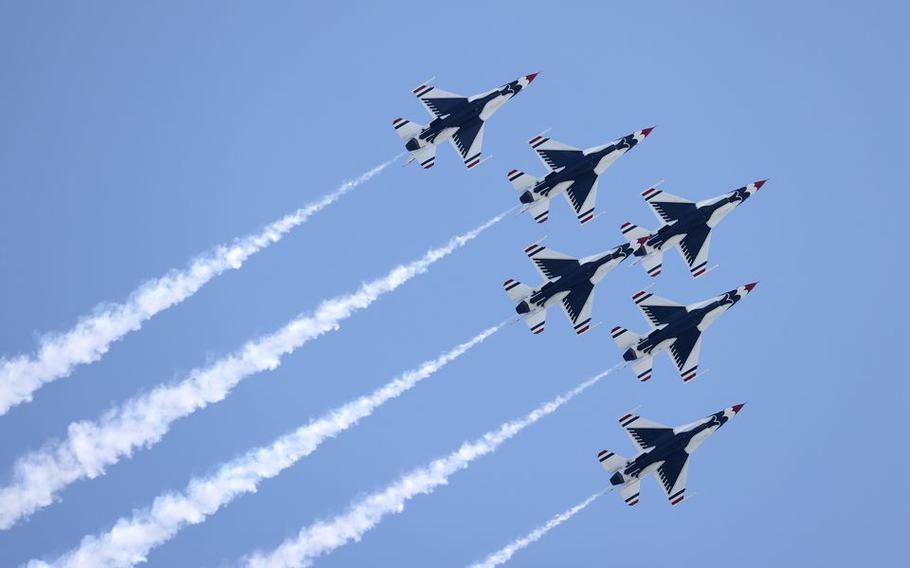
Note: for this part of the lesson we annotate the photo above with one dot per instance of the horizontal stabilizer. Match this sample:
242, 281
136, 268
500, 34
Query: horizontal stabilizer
536, 320
521, 181
630, 492
516, 290
653, 263
540, 210
633, 233
624, 338
425, 156
406, 129
642, 367
610, 461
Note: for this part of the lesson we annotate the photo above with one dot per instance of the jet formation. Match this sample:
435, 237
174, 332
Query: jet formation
456, 118
569, 282
663, 451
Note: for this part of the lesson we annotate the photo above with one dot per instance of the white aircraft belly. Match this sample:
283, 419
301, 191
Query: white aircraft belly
711, 316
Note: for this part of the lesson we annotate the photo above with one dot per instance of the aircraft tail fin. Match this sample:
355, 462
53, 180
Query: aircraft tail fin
516, 290
610, 461
624, 338
406, 129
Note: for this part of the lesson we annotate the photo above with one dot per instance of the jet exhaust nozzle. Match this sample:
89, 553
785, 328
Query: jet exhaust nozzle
526, 198
523, 308
412, 145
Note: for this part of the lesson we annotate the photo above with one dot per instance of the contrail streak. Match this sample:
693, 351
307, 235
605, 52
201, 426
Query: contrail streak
323, 537
59, 354
143, 420
503, 555
131, 539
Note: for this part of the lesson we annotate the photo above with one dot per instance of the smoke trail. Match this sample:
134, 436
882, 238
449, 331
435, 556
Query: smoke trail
59, 354
503, 555
323, 537
142, 421
131, 539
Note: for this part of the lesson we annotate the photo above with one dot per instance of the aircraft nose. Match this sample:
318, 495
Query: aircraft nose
738, 407
749, 286
647, 131
531, 77
759, 183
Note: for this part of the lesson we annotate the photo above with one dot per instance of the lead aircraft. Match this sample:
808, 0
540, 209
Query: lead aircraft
684, 224
664, 451
456, 118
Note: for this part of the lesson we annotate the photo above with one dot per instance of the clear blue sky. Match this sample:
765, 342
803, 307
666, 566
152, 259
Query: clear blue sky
134, 136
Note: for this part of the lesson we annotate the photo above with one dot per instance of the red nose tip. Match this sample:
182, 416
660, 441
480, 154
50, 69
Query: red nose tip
531, 77
750, 286
738, 407
759, 183
646, 131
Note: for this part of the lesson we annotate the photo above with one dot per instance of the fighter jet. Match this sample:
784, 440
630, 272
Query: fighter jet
456, 118
664, 451
684, 224
570, 282
674, 327
571, 171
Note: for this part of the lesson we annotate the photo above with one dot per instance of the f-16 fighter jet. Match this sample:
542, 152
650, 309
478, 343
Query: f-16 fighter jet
570, 282
456, 118
674, 327
664, 451
684, 224
571, 171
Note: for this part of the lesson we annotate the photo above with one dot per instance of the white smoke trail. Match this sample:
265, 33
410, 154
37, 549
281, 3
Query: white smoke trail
323, 537
131, 539
503, 555
59, 354
142, 421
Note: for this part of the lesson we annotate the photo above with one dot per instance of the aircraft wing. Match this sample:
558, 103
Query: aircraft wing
672, 475
438, 102
581, 195
644, 433
685, 351
467, 141
666, 206
694, 247
549, 263
577, 304
553, 154
658, 311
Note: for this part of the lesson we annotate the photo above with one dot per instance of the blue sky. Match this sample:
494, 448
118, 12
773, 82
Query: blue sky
133, 137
